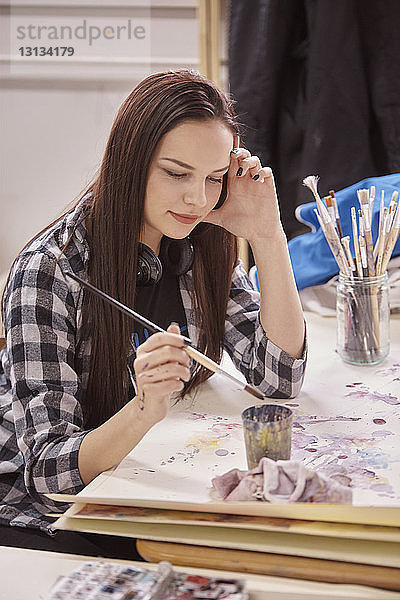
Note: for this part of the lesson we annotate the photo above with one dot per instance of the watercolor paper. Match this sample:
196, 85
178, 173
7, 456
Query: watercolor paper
346, 425
137, 514
371, 552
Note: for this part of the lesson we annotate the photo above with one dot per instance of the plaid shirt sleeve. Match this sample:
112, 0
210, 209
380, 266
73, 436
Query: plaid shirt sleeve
266, 366
40, 320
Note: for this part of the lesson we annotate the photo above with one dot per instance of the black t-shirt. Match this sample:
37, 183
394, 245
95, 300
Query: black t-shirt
160, 303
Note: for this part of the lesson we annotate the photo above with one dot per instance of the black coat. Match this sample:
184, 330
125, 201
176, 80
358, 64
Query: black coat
317, 84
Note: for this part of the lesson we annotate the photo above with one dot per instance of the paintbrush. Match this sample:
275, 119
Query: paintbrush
355, 242
363, 197
391, 240
332, 243
312, 183
380, 228
350, 262
191, 351
382, 242
336, 209
371, 199
363, 251
327, 226
330, 207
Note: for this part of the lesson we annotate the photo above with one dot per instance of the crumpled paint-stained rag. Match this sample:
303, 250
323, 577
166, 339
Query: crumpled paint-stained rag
280, 481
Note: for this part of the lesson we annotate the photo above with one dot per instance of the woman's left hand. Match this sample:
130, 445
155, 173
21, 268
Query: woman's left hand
251, 208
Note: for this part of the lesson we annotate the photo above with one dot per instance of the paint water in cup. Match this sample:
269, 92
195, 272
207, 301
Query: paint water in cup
267, 432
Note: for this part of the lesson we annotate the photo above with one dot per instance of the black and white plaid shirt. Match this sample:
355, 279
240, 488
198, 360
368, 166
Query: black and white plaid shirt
44, 369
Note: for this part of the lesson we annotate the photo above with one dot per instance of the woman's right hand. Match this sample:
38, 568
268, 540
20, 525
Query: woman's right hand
161, 367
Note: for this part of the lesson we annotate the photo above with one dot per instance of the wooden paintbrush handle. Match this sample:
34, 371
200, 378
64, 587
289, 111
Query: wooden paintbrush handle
215, 368
202, 359
391, 242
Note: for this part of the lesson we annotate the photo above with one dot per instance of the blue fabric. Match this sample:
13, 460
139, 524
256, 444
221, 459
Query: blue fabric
311, 257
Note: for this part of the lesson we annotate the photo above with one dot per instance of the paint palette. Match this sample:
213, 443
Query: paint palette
115, 581
106, 580
188, 587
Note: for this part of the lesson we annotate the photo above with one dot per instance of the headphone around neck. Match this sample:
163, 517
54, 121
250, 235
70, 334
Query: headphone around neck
176, 256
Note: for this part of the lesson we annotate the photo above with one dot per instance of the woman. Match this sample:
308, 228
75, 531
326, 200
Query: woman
81, 383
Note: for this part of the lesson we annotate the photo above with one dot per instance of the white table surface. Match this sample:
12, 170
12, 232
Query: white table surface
30, 574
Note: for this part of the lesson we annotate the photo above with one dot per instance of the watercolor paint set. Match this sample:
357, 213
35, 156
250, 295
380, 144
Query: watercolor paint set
117, 581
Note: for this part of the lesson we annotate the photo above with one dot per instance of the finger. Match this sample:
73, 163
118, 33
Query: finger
264, 174
237, 156
174, 328
251, 164
160, 356
164, 373
240, 153
157, 340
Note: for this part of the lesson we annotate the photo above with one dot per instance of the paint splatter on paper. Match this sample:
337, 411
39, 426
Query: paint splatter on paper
340, 453
368, 395
217, 435
222, 452
344, 446
393, 370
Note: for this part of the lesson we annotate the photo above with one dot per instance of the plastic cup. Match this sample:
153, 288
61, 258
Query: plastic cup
267, 430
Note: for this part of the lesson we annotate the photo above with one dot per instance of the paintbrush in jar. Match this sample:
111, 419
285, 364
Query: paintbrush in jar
382, 241
363, 196
391, 239
350, 262
363, 252
191, 351
328, 227
380, 227
371, 199
355, 242
330, 207
336, 210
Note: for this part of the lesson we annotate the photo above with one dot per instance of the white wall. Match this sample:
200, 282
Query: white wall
56, 113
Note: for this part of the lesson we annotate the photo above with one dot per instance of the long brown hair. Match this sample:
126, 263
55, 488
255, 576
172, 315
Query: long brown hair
114, 223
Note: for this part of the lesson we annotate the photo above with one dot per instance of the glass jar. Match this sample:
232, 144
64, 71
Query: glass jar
362, 313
